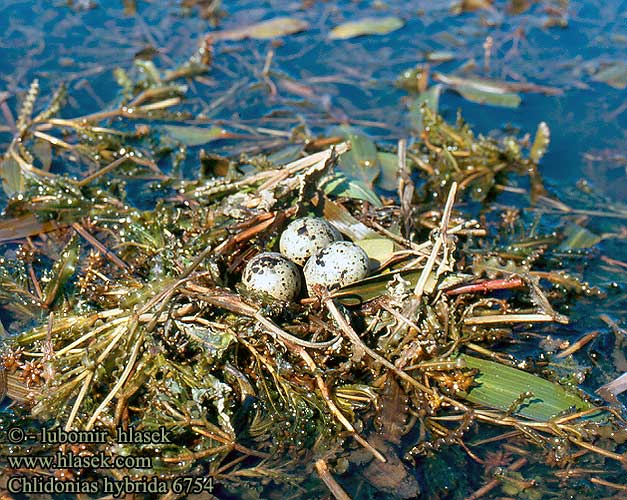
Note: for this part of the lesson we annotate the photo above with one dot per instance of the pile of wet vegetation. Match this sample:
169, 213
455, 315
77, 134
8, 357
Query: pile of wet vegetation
126, 304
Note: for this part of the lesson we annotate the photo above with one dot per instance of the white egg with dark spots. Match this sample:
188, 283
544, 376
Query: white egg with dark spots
337, 265
273, 274
306, 236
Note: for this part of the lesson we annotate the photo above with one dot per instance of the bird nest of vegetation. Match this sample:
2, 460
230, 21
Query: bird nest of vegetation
120, 317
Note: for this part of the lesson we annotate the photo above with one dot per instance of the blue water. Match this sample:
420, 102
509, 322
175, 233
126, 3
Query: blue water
53, 42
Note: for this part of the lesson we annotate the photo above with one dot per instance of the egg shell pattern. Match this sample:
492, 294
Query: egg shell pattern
273, 274
305, 236
336, 265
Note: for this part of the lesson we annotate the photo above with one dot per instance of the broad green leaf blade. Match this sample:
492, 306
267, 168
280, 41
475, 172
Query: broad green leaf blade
361, 161
388, 179
578, 237
366, 26
12, 178
195, 136
439, 56
345, 223
431, 99
500, 386
373, 287
279, 26
340, 185
482, 96
540, 143
272, 28
378, 250
483, 91
615, 75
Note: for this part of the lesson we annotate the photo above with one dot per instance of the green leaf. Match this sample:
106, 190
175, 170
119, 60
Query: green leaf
500, 386
482, 96
540, 143
361, 161
378, 250
366, 26
195, 136
43, 152
12, 178
272, 28
373, 287
440, 56
340, 185
482, 90
431, 99
578, 237
345, 223
615, 75
388, 179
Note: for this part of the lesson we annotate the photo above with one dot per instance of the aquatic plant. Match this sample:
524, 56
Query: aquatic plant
128, 317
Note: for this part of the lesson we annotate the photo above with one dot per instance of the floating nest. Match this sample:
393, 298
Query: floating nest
118, 317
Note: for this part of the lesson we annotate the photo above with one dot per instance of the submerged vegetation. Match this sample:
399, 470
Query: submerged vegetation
120, 285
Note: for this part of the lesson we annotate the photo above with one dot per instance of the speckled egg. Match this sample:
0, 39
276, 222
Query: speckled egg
336, 265
271, 273
306, 236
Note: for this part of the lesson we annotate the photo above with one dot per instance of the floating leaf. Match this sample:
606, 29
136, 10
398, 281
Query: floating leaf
615, 75
373, 287
540, 143
340, 185
431, 99
12, 177
272, 28
378, 250
366, 26
578, 237
361, 161
440, 56
388, 179
43, 152
195, 136
494, 98
344, 222
500, 386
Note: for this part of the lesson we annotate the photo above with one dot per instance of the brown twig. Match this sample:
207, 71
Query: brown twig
336, 490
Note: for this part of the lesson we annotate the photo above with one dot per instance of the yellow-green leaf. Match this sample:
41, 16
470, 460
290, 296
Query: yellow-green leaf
12, 177
579, 237
482, 96
360, 162
272, 28
378, 250
340, 185
540, 143
344, 222
195, 136
615, 75
388, 179
500, 386
373, 287
366, 26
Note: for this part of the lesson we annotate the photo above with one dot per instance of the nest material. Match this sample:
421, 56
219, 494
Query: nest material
133, 318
